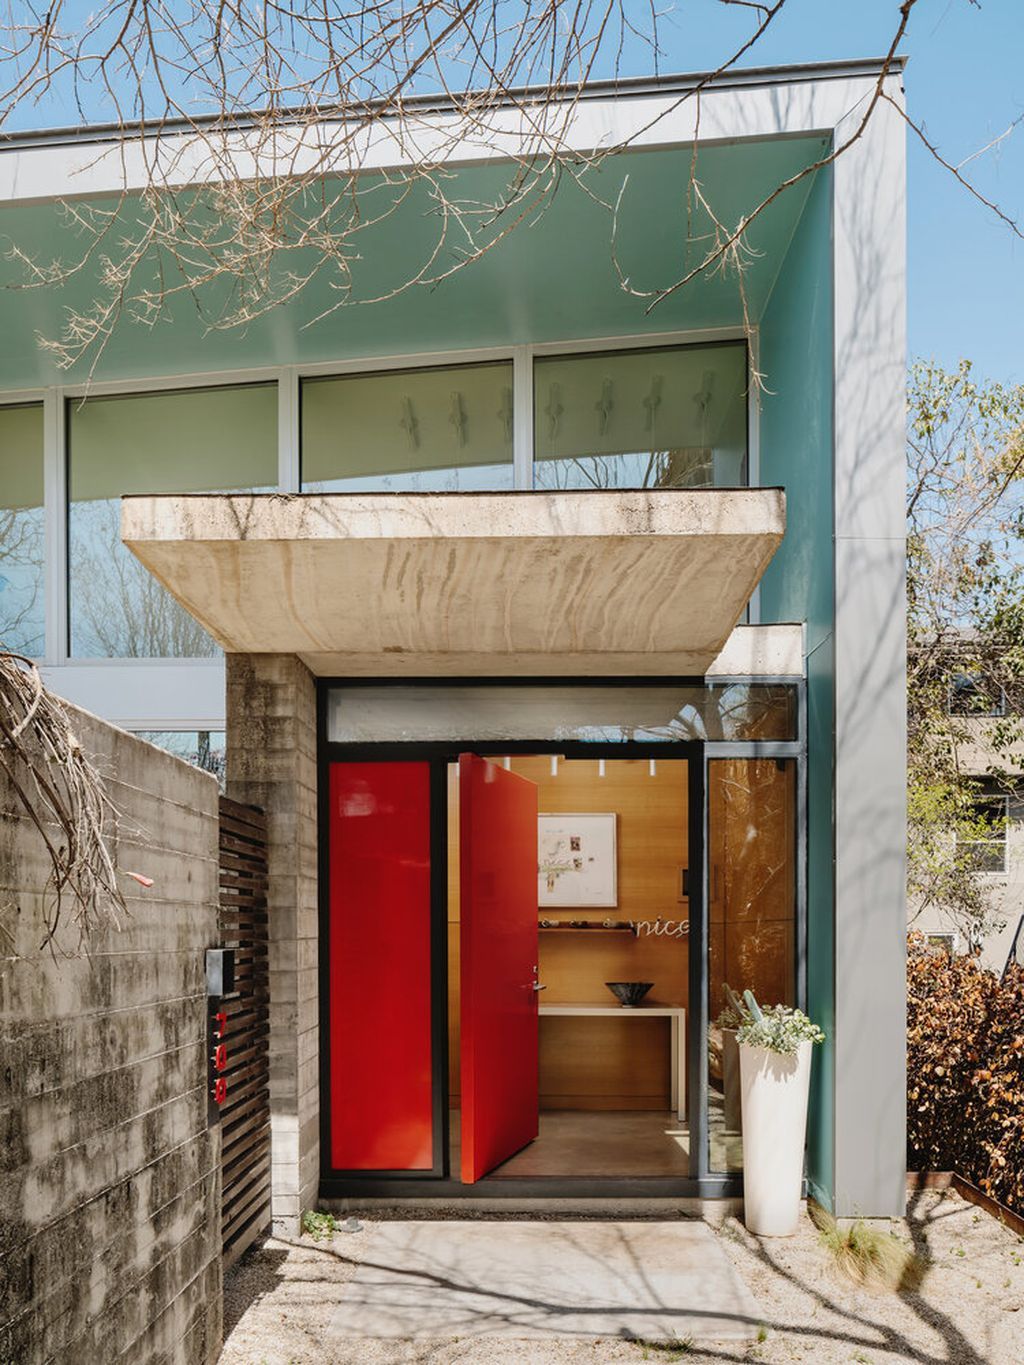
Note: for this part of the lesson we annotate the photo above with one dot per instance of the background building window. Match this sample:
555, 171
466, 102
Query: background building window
990, 812
442, 430
667, 418
972, 694
21, 529
185, 441
942, 941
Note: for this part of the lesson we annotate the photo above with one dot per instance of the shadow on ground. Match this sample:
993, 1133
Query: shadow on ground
283, 1301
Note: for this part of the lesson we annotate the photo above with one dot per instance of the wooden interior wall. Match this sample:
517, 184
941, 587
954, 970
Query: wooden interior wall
602, 1063
752, 873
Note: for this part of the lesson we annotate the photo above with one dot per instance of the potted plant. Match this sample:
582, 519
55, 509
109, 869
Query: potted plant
775, 1074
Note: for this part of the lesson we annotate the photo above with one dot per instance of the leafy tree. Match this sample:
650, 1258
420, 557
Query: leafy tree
965, 666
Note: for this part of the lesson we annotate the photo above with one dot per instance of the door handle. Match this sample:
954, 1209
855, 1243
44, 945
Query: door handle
538, 987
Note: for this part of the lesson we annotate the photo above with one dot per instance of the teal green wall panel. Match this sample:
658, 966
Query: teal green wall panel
796, 452
551, 278
821, 915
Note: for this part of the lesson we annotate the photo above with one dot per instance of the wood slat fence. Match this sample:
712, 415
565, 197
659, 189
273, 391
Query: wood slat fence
245, 1113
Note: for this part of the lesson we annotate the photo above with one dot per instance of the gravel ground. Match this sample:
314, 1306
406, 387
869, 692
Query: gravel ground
279, 1300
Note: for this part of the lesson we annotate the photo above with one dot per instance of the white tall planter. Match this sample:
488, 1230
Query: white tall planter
774, 1092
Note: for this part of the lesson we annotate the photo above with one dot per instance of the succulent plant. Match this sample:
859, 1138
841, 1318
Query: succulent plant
779, 1028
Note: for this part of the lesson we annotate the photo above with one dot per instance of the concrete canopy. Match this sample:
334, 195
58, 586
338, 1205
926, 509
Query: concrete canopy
547, 583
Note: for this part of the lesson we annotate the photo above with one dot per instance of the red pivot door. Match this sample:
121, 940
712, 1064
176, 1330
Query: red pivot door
498, 970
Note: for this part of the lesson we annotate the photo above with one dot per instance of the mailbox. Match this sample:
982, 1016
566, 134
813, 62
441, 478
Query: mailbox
220, 971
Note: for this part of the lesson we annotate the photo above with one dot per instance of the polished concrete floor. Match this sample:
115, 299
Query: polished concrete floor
612, 1144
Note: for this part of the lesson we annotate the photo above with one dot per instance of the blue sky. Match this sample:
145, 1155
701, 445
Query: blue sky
965, 85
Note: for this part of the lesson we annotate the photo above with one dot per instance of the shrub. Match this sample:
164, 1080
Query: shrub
965, 1071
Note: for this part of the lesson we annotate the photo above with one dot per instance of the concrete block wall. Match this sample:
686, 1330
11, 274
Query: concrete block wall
109, 1173
271, 747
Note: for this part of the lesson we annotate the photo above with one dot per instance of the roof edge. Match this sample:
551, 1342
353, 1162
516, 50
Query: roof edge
633, 87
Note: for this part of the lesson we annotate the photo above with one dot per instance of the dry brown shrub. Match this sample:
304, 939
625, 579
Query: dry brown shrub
965, 1071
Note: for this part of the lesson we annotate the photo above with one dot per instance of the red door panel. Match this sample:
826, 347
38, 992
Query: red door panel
498, 941
380, 967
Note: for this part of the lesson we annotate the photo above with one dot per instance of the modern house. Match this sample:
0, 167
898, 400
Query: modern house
514, 574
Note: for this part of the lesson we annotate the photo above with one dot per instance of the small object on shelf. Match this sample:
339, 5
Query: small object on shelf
586, 924
629, 993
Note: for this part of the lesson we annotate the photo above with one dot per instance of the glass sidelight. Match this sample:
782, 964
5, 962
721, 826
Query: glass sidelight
752, 900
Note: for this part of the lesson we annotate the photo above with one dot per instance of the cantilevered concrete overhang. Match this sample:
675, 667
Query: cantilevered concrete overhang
644, 582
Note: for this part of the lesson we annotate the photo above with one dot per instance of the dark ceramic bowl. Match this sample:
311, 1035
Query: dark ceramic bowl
629, 993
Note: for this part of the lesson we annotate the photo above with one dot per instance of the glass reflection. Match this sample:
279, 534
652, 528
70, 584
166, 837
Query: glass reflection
204, 440
21, 529
714, 711
438, 430
673, 417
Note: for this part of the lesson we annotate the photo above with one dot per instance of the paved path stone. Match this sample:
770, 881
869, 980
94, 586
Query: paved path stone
650, 1281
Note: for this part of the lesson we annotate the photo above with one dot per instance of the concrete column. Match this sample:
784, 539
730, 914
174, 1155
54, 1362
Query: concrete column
271, 762
869, 231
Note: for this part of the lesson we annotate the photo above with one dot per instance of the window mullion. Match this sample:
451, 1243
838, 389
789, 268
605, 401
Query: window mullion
522, 421
288, 457
55, 527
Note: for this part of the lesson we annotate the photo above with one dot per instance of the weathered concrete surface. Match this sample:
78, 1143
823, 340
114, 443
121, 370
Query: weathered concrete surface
651, 581
109, 1174
271, 747
652, 1281
761, 651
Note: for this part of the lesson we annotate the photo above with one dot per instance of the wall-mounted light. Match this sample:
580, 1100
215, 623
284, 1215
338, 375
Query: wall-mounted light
506, 763
554, 765
600, 767
653, 767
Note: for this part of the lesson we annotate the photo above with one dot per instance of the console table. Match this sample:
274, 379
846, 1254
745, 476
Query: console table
675, 1013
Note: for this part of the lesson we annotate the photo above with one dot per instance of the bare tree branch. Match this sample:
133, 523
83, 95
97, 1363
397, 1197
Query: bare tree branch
256, 121
63, 796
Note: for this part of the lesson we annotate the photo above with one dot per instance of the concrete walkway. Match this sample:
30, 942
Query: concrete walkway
655, 1282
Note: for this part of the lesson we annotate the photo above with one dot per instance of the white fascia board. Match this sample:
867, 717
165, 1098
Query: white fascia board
76, 170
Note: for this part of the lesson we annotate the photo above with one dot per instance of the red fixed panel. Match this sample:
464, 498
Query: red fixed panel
381, 1100
498, 964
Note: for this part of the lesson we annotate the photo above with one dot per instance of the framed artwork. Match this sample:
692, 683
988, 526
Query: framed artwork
576, 860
